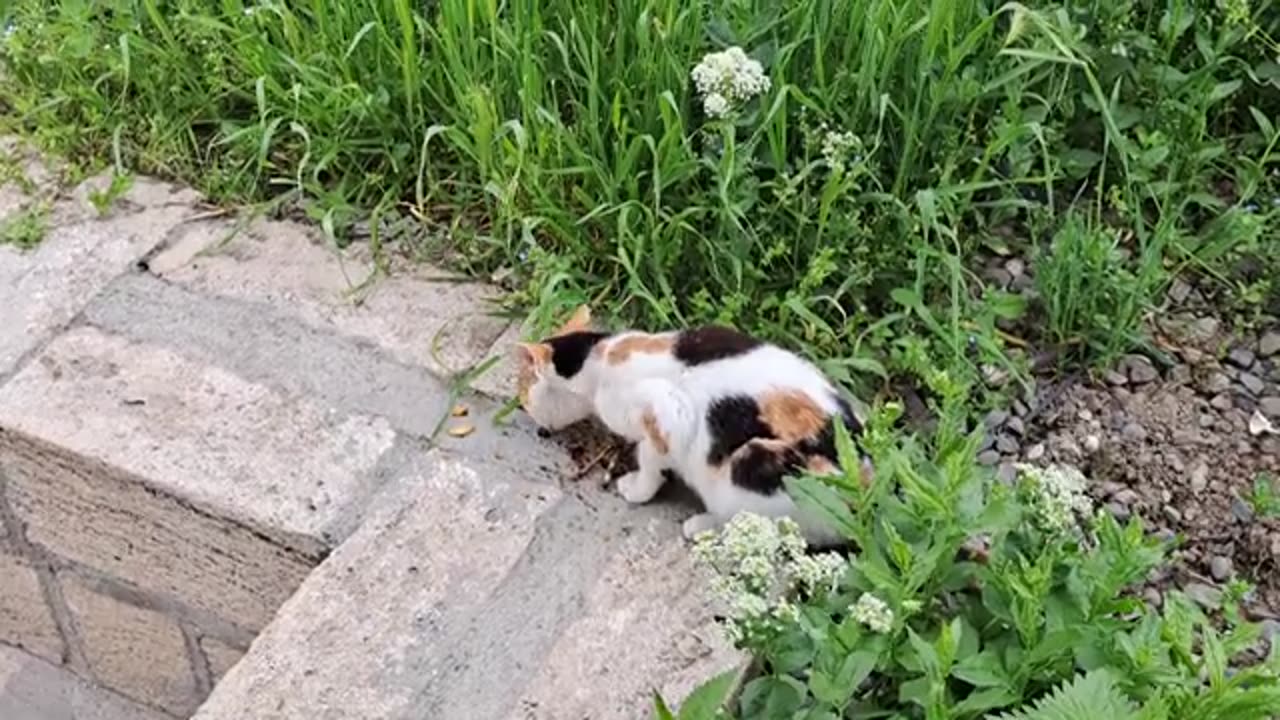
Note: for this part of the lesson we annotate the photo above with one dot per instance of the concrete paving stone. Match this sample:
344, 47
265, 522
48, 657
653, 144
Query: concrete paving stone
419, 315
24, 177
76, 205
355, 640
31, 689
25, 619
499, 381
220, 656
180, 477
137, 652
647, 626
42, 289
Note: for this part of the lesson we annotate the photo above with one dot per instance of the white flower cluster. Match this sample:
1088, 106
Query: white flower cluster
757, 564
872, 612
1059, 493
837, 145
727, 78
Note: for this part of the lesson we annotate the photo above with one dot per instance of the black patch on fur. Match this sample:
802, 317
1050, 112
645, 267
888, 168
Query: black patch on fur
824, 443
733, 421
569, 352
761, 470
698, 346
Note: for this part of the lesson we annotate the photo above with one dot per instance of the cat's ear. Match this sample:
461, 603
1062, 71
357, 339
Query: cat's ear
579, 321
535, 354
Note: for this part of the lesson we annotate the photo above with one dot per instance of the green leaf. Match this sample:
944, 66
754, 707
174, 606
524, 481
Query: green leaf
706, 700
660, 710
814, 495
1223, 90
989, 699
983, 670
836, 691
925, 651
1093, 696
915, 691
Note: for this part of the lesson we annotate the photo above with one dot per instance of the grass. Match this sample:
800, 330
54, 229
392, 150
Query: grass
563, 143
25, 228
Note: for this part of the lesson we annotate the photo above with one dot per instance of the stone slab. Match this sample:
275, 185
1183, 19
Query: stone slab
178, 477
419, 315
134, 651
42, 289
647, 626
31, 689
143, 193
25, 619
499, 380
220, 657
356, 639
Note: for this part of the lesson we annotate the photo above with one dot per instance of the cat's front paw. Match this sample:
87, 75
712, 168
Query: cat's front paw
636, 488
698, 524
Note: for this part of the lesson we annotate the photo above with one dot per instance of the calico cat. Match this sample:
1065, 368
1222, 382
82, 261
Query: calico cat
730, 414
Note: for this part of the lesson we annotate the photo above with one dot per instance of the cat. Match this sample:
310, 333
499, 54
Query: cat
728, 413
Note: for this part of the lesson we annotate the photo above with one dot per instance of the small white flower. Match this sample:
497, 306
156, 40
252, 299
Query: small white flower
726, 78
819, 572
873, 612
715, 105
836, 146
1061, 491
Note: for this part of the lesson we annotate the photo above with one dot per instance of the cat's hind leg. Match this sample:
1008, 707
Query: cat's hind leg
660, 416
640, 485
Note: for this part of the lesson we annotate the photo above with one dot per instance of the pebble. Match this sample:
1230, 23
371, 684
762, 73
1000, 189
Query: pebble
1179, 290
1269, 630
1153, 597
1126, 497
988, 458
1119, 511
1114, 377
1140, 369
1242, 358
1220, 568
1035, 452
1215, 383
1015, 267
1007, 473
1016, 426
1191, 355
1207, 420
1252, 383
1204, 328
1270, 406
988, 442
995, 419
1242, 510
1269, 344
1006, 445
1222, 401
1135, 432
1172, 514
1092, 443
1200, 477
1206, 596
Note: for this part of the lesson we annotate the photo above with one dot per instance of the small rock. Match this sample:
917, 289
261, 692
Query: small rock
1215, 383
1207, 597
1199, 477
1139, 369
1134, 432
1269, 344
1203, 329
1092, 443
994, 376
1006, 473
1220, 568
1113, 377
1269, 630
1119, 511
1207, 420
995, 419
988, 458
998, 277
1172, 514
1126, 497
1016, 426
1191, 355
1222, 401
1241, 357
1178, 291
1015, 267
1006, 445
1242, 510
1252, 383
1270, 406
1153, 597
988, 442
1035, 452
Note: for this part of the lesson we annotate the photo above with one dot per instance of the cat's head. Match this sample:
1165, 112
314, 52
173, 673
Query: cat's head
546, 370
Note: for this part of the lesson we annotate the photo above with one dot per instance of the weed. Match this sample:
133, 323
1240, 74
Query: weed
1264, 497
25, 228
102, 200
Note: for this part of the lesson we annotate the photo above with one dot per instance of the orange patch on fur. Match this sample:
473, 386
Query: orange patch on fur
579, 321
654, 433
532, 356
819, 465
623, 348
792, 414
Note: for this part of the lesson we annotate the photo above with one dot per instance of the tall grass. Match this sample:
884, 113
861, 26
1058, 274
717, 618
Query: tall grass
562, 139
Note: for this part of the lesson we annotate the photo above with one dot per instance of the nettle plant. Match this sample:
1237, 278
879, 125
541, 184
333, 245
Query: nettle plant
966, 598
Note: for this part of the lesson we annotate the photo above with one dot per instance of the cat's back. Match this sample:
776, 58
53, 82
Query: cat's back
722, 362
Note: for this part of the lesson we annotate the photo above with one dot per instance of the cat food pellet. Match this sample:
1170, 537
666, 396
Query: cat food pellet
460, 431
460, 410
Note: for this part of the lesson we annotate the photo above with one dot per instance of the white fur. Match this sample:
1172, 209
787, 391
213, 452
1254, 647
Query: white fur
680, 397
